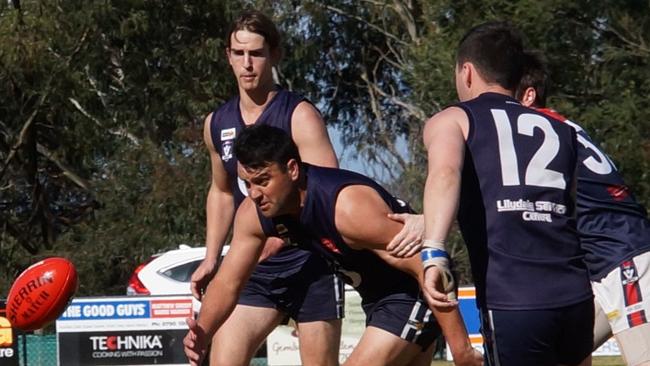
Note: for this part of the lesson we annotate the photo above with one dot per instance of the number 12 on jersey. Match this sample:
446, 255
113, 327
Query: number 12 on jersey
537, 172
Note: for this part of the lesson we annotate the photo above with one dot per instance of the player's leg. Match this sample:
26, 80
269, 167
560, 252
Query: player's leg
254, 317
635, 345
319, 342
602, 329
378, 347
624, 295
237, 340
401, 331
315, 300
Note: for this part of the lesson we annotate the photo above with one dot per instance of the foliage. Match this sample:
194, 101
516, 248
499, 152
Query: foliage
104, 106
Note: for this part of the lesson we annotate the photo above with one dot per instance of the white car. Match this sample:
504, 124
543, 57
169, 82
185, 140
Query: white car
168, 273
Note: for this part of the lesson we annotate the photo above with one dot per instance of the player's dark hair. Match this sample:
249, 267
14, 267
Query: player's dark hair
262, 145
256, 22
496, 50
535, 76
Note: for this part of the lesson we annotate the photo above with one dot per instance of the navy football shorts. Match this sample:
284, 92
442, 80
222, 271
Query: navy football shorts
538, 337
406, 316
309, 293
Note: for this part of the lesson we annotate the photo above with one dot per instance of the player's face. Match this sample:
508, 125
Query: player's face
251, 60
272, 189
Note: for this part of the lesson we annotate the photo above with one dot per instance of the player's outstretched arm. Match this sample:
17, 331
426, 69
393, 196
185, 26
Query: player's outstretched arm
444, 138
376, 229
223, 291
219, 215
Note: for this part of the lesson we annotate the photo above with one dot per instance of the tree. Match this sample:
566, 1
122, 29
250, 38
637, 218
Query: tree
96, 94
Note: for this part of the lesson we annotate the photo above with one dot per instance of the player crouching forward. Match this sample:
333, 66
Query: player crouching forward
343, 216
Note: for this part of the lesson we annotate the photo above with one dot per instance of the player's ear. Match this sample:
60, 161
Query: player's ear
529, 97
293, 169
467, 71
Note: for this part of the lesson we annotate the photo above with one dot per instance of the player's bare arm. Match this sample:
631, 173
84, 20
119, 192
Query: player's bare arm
223, 291
310, 135
219, 216
373, 232
444, 138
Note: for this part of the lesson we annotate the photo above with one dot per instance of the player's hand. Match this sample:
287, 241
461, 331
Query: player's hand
470, 357
194, 343
438, 288
271, 247
409, 240
202, 276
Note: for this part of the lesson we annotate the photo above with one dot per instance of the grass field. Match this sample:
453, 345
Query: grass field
598, 361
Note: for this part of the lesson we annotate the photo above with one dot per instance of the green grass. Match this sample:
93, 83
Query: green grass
598, 361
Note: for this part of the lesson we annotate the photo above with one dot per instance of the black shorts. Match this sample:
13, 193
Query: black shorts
538, 337
310, 293
406, 316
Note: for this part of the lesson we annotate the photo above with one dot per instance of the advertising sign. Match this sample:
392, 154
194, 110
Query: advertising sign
124, 331
8, 341
282, 347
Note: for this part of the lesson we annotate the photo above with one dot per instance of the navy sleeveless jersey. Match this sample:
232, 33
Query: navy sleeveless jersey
516, 207
225, 126
612, 225
315, 230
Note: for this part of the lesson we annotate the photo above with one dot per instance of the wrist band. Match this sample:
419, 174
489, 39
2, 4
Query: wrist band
437, 244
434, 257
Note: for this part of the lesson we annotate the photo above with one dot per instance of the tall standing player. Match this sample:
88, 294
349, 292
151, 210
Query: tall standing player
614, 231
344, 217
293, 282
508, 172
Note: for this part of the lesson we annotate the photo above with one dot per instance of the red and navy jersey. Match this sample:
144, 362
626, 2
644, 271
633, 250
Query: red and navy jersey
612, 225
516, 207
225, 126
315, 230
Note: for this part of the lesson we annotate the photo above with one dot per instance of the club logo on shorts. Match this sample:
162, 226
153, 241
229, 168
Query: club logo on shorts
629, 275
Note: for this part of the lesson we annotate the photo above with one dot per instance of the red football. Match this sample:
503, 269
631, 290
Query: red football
41, 293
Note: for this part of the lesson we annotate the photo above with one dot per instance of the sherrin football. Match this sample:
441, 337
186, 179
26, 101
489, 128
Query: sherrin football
41, 293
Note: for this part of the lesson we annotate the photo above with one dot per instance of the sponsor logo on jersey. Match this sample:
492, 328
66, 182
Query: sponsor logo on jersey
228, 134
283, 232
329, 245
618, 193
